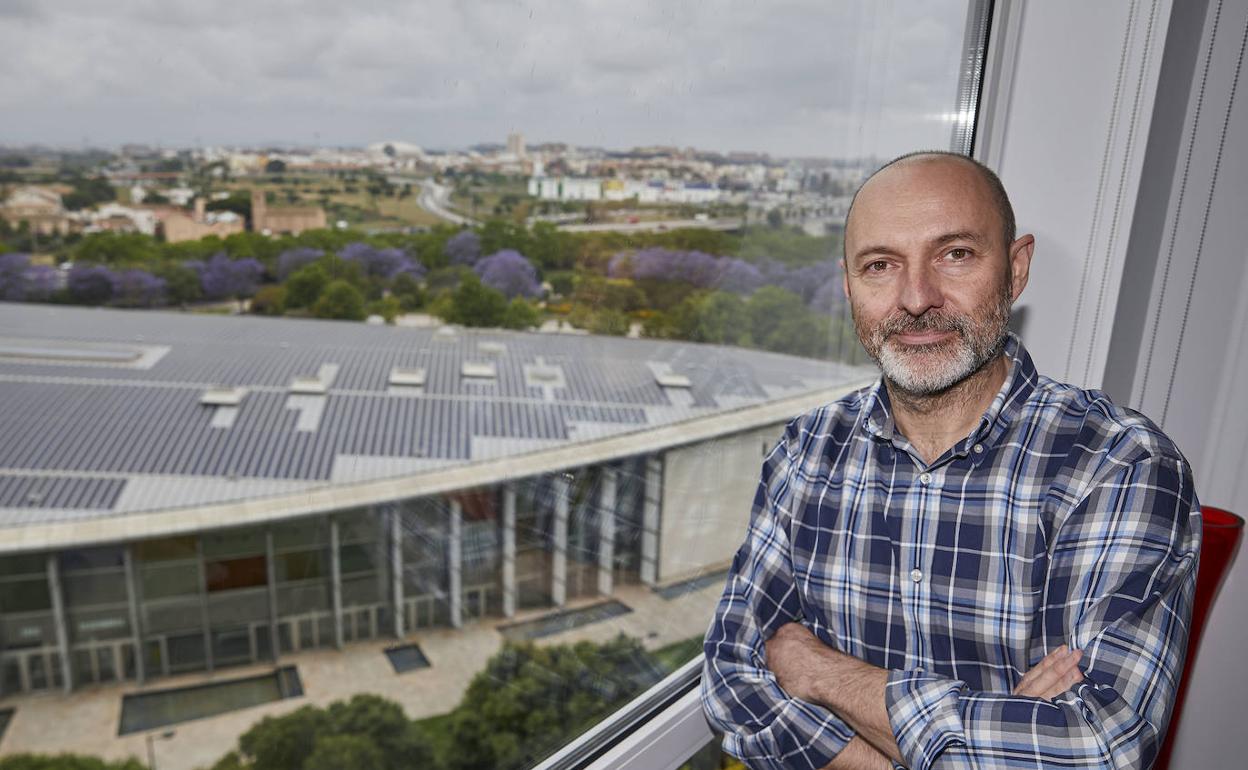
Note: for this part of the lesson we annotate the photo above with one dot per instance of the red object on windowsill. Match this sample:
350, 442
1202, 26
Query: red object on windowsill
1221, 533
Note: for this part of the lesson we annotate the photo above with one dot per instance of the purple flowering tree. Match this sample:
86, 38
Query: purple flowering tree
13, 269
509, 272
738, 276
138, 288
464, 248
90, 284
381, 263
224, 278
291, 260
42, 281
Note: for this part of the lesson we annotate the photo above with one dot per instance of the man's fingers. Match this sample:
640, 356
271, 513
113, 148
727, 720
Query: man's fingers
1052, 676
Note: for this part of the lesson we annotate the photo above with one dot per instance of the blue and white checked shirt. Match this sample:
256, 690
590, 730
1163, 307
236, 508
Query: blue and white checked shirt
1060, 519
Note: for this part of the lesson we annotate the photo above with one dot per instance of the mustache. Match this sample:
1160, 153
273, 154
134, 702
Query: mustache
931, 321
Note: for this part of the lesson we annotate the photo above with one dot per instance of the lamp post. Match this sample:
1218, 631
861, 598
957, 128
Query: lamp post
151, 745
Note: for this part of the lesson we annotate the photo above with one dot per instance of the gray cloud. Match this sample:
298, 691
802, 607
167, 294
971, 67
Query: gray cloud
798, 77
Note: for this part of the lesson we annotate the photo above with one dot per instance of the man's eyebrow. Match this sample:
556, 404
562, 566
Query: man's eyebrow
940, 240
960, 235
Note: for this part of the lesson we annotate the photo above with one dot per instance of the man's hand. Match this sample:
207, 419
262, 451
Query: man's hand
793, 655
1057, 673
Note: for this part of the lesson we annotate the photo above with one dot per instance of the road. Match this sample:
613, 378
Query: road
648, 227
435, 199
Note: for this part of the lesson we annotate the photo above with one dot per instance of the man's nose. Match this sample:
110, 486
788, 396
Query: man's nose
920, 290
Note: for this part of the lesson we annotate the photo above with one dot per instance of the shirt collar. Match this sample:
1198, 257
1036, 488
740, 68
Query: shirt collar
1017, 388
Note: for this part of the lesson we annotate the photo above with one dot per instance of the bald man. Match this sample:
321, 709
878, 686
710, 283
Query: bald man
967, 564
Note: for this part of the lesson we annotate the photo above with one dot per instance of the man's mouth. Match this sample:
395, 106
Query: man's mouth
927, 337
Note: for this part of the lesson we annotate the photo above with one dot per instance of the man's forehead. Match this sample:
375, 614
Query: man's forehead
924, 194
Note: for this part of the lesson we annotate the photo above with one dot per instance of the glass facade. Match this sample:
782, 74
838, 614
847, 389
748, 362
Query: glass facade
247, 595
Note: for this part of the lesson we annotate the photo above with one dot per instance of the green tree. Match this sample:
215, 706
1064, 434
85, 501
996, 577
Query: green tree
609, 321
406, 290
474, 304
530, 700
387, 307
781, 323
345, 752
305, 285
283, 743
116, 249
182, 285
521, 314
721, 318
340, 300
269, 300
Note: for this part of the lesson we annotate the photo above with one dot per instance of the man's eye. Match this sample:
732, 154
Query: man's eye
957, 255
878, 266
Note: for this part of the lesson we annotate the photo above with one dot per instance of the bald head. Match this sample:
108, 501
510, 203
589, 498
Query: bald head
984, 176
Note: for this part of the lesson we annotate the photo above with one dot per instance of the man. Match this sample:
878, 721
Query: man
967, 565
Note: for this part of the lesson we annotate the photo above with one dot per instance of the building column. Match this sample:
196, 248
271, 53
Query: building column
396, 570
270, 562
335, 577
203, 604
606, 531
509, 551
650, 521
455, 564
133, 597
559, 556
58, 620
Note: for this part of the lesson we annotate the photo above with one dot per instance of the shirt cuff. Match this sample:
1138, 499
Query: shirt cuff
802, 737
923, 712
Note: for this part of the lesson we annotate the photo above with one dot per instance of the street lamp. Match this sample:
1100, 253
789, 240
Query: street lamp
151, 745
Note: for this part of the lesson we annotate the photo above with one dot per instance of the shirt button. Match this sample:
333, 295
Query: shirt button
979, 449
926, 478
916, 575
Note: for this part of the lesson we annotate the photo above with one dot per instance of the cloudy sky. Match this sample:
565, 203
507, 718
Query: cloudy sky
792, 77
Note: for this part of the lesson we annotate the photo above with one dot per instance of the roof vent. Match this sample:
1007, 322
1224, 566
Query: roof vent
672, 380
411, 377
311, 386
445, 333
489, 346
483, 370
544, 374
222, 396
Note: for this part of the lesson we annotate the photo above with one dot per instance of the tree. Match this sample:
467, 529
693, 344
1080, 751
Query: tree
305, 285
340, 300
283, 743
779, 322
406, 289
464, 248
291, 260
90, 284
13, 268
509, 272
521, 314
345, 752
609, 321
269, 300
531, 699
275, 166
387, 307
474, 304
775, 219
224, 278
116, 249
138, 288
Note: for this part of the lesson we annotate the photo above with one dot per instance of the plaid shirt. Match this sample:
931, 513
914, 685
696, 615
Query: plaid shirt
1060, 519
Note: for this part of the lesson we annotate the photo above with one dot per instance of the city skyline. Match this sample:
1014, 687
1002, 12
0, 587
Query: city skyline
790, 80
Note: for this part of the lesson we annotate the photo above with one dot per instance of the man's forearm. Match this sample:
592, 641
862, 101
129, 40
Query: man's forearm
859, 755
854, 690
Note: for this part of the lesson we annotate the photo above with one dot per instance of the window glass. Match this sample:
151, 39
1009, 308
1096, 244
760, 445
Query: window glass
452, 333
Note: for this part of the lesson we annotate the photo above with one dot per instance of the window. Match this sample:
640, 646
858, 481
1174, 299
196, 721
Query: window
448, 327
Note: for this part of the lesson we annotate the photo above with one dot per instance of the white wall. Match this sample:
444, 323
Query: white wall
1121, 132
706, 500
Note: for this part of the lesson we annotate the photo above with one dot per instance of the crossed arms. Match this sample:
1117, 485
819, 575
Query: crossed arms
1119, 588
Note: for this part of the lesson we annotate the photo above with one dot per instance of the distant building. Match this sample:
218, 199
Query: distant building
40, 208
515, 145
286, 219
565, 188
178, 227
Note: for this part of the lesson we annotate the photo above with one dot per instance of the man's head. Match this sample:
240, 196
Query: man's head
932, 268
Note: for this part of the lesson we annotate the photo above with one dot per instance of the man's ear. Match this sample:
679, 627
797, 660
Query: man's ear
1021, 251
